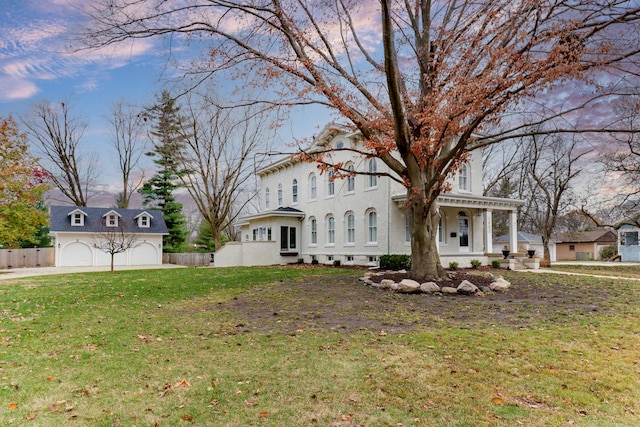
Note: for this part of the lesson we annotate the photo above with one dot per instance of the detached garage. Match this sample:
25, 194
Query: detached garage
89, 236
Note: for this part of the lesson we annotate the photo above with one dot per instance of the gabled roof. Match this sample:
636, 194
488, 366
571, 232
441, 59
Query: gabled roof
326, 135
112, 211
598, 236
93, 223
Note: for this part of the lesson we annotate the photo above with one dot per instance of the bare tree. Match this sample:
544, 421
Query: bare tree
57, 134
419, 80
128, 140
114, 240
219, 160
552, 164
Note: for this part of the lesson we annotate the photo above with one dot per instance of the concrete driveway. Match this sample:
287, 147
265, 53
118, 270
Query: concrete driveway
16, 273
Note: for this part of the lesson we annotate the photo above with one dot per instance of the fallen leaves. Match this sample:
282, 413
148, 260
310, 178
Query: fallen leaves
167, 387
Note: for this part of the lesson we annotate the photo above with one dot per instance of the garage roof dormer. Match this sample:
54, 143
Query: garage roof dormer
111, 218
144, 219
77, 217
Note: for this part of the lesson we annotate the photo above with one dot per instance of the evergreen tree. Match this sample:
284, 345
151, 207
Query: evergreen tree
168, 143
205, 240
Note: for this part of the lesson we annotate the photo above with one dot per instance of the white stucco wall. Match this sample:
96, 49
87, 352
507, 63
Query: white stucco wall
79, 249
391, 218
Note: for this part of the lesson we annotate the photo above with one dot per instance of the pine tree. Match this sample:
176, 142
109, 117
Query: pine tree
168, 143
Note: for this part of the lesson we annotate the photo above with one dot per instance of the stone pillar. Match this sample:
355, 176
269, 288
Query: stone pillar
488, 231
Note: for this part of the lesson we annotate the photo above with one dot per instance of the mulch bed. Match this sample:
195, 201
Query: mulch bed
343, 303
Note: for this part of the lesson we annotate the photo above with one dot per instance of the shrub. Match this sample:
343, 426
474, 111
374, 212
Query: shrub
495, 263
453, 265
475, 263
607, 252
300, 260
314, 260
336, 263
395, 262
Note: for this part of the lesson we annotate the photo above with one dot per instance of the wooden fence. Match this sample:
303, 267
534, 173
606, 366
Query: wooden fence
191, 258
20, 258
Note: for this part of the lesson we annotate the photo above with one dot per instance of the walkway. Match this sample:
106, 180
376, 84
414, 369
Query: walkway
16, 273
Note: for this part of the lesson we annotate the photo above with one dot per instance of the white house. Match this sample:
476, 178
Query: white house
79, 233
306, 215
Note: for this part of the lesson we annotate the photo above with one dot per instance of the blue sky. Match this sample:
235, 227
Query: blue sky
36, 64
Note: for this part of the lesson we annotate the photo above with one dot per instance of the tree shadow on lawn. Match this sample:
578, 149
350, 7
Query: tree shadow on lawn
344, 303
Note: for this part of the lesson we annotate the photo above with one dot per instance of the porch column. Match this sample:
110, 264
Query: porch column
488, 231
513, 231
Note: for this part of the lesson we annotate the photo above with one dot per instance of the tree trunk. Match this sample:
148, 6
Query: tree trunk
112, 256
425, 259
546, 253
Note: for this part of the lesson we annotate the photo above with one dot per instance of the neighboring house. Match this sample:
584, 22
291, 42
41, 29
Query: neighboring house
527, 241
628, 244
582, 245
304, 214
79, 232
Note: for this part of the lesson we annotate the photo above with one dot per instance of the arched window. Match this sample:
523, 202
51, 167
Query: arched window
350, 221
331, 185
313, 188
331, 229
279, 195
351, 179
372, 168
266, 198
372, 227
294, 192
463, 178
314, 230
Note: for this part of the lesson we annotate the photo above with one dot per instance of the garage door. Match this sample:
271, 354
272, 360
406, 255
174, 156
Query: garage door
76, 254
144, 254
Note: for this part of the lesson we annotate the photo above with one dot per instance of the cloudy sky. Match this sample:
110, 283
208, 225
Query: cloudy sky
37, 63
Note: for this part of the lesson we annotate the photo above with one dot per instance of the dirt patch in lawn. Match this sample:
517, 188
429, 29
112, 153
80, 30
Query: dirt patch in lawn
345, 303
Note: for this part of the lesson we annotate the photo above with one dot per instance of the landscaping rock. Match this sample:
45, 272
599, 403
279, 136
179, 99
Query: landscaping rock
500, 285
448, 290
467, 288
386, 283
408, 286
484, 289
429, 287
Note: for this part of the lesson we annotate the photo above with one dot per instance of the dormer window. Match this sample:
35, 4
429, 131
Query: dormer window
77, 218
111, 218
144, 220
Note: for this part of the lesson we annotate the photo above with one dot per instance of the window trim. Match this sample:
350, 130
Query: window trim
294, 192
350, 229
331, 184
372, 230
331, 230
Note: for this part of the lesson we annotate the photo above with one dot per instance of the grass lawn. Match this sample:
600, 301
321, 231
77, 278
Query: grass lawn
313, 346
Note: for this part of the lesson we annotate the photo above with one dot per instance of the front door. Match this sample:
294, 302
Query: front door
463, 231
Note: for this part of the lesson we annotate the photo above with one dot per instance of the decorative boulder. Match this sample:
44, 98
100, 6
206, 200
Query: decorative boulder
393, 286
429, 287
500, 285
408, 286
386, 283
448, 290
467, 288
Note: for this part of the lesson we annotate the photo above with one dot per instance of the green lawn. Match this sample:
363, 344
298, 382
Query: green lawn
172, 347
